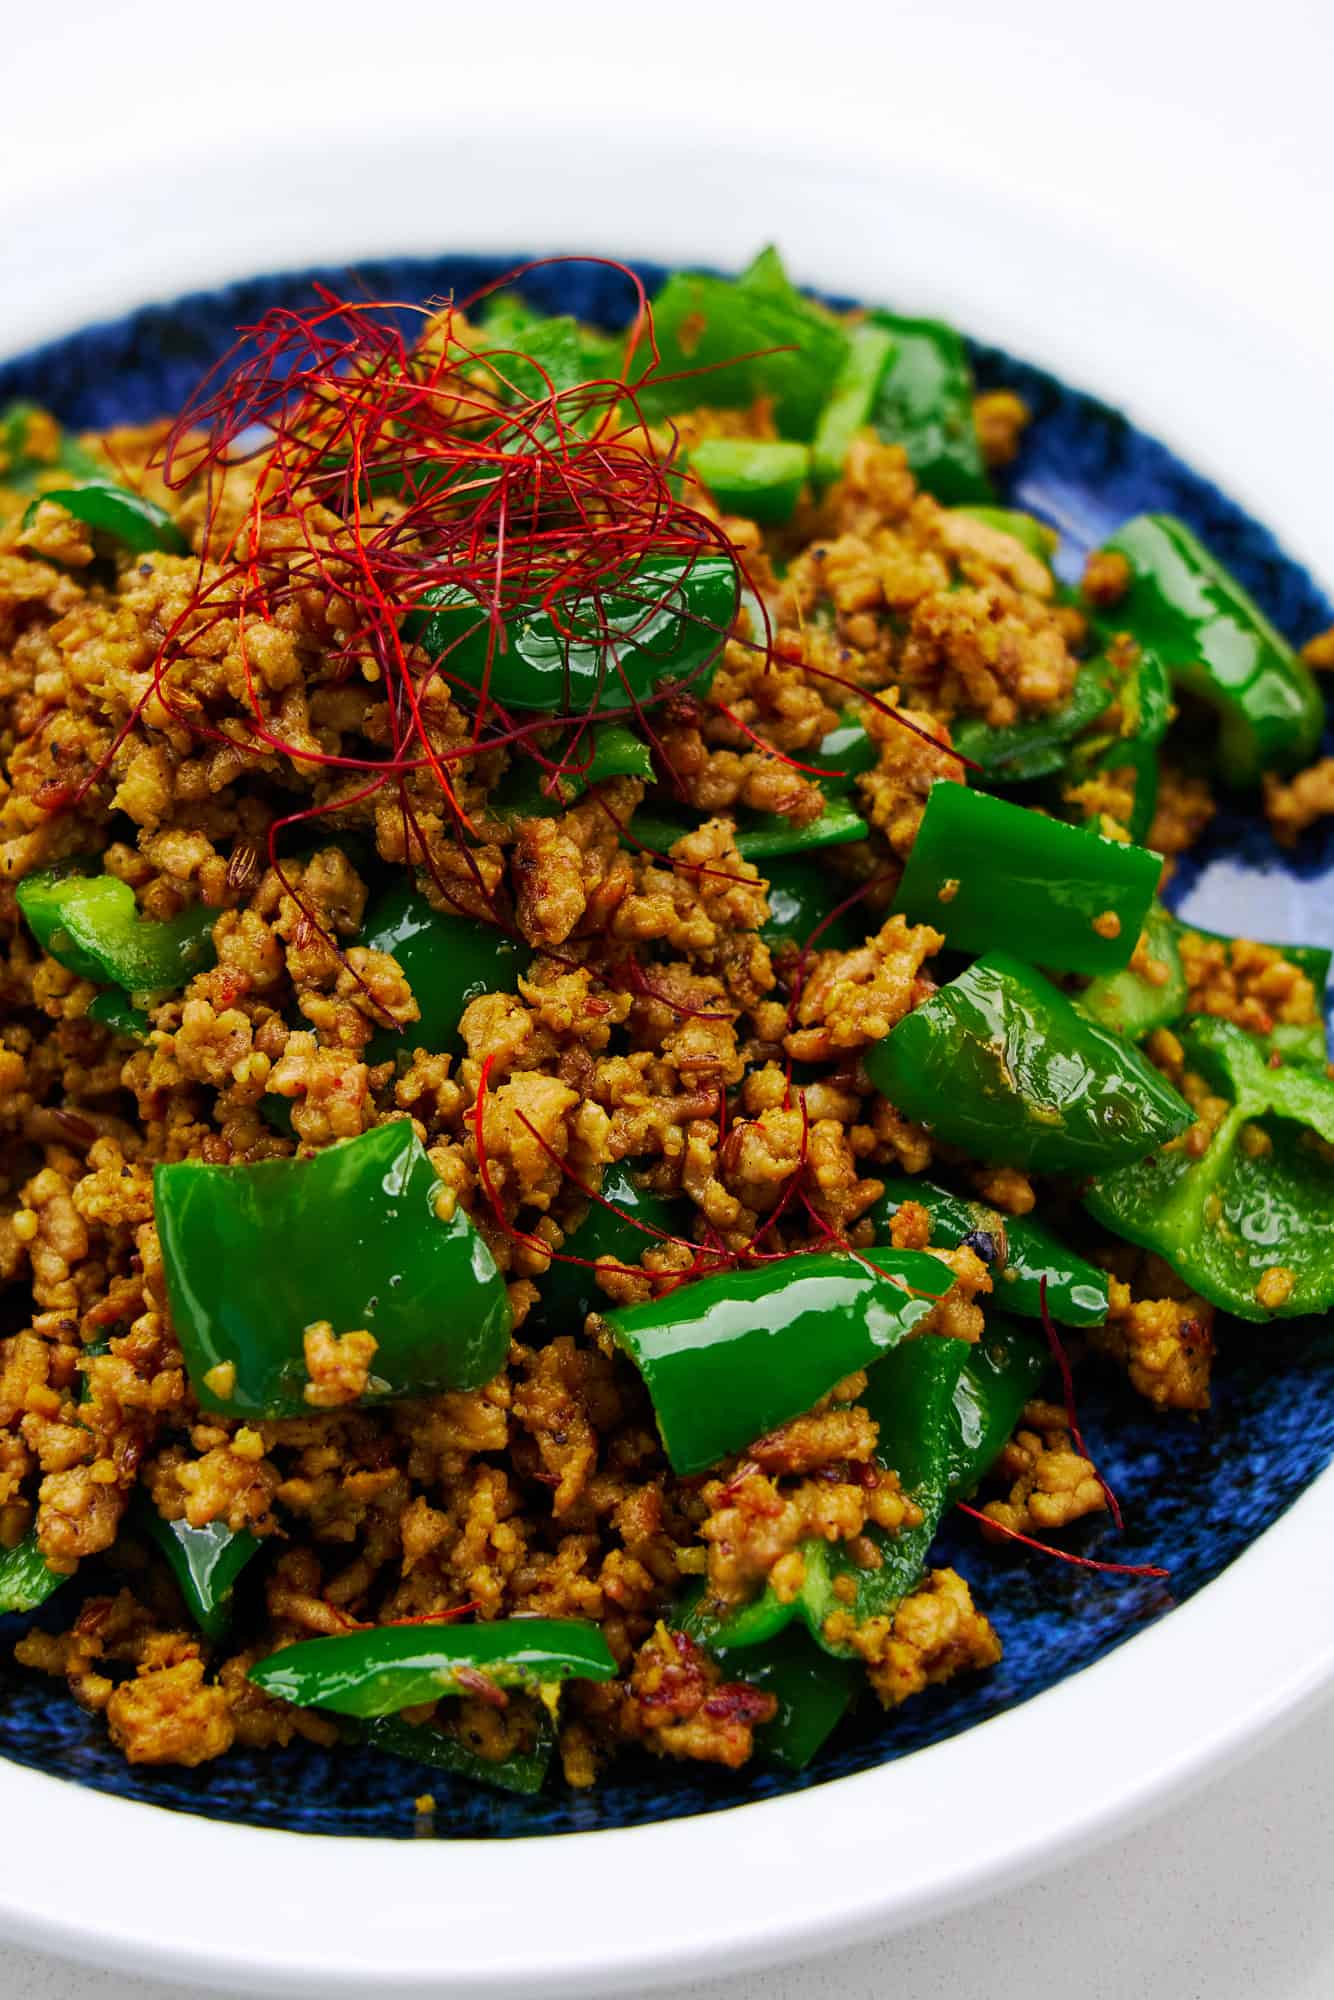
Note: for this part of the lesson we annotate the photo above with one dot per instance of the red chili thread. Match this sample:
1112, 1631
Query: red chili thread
1062, 1555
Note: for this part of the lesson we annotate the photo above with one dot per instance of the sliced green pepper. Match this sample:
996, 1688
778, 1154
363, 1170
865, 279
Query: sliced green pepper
664, 621
91, 925
760, 836
386, 1668
21, 468
813, 1689
1027, 530
570, 1291
925, 403
111, 1009
1003, 1064
255, 1254
1076, 1291
1133, 1005
852, 399
1143, 710
1218, 645
727, 343
447, 959
25, 1578
527, 791
1038, 746
1249, 1204
982, 870
205, 1562
944, 1408
843, 754
140, 524
756, 477
728, 1357
801, 896
522, 1771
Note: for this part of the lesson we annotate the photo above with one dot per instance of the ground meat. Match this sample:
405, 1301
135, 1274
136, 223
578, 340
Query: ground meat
935, 1633
677, 1704
1252, 985
1050, 1483
169, 1715
1298, 803
1166, 1346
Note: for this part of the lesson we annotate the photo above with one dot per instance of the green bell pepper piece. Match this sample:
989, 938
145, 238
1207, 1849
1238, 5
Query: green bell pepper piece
1132, 1005
982, 870
1032, 534
391, 1667
843, 754
725, 343
25, 1579
527, 791
801, 895
1135, 1006
569, 1292
448, 960
140, 524
110, 1009
1225, 1219
726, 1358
1076, 1291
21, 469
664, 621
944, 1408
1003, 1064
91, 925
1218, 645
756, 477
205, 1562
523, 1771
1039, 745
760, 836
254, 1254
1142, 710
813, 1689
925, 403
852, 399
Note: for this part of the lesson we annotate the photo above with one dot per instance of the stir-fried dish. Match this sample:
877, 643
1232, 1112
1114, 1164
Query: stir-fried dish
589, 1029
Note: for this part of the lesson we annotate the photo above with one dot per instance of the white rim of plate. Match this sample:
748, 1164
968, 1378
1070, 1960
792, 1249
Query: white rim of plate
579, 1914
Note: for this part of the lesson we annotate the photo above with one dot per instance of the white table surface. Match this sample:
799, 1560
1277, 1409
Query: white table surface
1197, 133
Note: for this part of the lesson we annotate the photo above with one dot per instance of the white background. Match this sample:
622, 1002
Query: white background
1196, 135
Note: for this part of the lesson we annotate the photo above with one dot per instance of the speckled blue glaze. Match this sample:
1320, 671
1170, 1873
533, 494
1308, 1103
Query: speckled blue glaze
1195, 1492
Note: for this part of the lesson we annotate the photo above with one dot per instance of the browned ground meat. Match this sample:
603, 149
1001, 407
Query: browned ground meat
547, 1491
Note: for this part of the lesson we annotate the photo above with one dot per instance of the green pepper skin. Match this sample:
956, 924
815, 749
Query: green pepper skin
91, 925
1076, 1291
843, 754
666, 622
524, 1771
1003, 1064
1223, 1220
801, 896
1127, 1002
726, 343
21, 469
25, 1579
763, 836
254, 1254
1026, 529
925, 403
944, 1409
1144, 710
140, 525
814, 1692
110, 1009
982, 870
759, 478
447, 959
206, 1563
727, 1358
1039, 745
570, 1292
386, 1668
527, 791
852, 399
1217, 644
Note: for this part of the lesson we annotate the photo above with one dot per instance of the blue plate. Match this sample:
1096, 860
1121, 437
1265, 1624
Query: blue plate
1196, 1491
